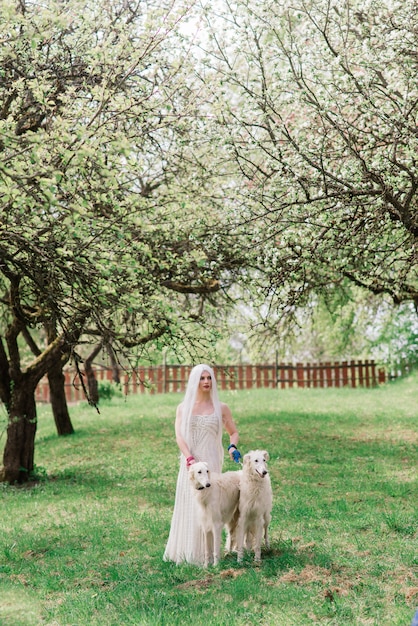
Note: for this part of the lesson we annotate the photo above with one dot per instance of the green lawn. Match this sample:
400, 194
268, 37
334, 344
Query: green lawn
84, 546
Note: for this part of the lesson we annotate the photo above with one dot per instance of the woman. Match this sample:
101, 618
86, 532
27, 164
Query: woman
200, 420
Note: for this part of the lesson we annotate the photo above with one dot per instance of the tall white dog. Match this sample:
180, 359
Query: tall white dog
217, 497
255, 504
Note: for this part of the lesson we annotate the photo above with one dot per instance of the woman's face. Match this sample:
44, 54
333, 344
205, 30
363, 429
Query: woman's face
205, 383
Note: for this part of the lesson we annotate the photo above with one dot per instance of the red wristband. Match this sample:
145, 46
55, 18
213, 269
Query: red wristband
189, 460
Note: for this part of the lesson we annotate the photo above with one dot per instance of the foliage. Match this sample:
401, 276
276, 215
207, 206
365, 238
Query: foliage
85, 546
108, 390
396, 339
343, 324
93, 126
103, 236
317, 104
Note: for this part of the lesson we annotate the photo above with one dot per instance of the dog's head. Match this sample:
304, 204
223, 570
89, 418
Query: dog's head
199, 475
256, 461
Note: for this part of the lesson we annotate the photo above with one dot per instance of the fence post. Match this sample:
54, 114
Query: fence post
291, 378
232, 381
344, 374
299, 374
276, 369
336, 374
360, 373
248, 377
314, 370
164, 371
373, 374
353, 374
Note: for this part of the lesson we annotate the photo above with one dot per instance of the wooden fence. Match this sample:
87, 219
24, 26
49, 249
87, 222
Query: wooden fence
173, 378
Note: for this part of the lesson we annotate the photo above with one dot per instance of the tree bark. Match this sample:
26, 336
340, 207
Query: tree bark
114, 364
19, 451
56, 380
92, 384
5, 387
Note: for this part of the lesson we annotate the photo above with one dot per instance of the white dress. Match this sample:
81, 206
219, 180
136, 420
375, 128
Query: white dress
185, 541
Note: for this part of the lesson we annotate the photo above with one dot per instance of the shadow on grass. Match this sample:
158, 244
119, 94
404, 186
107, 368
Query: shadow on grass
91, 479
281, 557
284, 556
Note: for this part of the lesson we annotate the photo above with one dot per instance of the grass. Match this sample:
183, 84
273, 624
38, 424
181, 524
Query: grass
83, 546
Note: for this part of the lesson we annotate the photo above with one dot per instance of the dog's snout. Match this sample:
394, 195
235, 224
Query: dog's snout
262, 471
207, 484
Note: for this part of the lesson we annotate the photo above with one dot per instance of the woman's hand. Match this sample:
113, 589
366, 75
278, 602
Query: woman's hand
234, 453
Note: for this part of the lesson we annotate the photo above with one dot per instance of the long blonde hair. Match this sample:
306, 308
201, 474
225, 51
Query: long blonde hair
190, 399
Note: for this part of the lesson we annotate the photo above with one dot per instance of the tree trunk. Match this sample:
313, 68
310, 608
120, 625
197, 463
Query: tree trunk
19, 451
56, 380
92, 384
114, 364
59, 406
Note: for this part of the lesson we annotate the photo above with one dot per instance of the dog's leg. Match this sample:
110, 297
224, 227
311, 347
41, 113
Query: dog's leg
208, 547
206, 561
266, 531
266, 537
211, 545
217, 535
228, 540
206, 531
240, 539
258, 534
231, 537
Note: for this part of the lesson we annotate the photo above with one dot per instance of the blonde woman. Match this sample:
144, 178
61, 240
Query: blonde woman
200, 420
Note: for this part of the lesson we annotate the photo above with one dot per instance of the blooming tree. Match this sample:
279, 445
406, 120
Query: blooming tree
105, 221
319, 112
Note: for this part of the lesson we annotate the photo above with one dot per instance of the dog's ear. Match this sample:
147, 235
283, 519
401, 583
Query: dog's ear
246, 458
266, 455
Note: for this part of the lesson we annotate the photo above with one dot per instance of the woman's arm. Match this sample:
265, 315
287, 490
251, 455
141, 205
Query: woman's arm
230, 428
184, 449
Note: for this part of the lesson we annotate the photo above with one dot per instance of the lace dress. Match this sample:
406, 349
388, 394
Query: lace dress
185, 541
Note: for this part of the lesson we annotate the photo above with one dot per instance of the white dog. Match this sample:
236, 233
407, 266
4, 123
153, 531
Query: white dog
217, 497
255, 504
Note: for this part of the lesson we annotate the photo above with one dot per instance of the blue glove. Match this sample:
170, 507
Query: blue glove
237, 455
